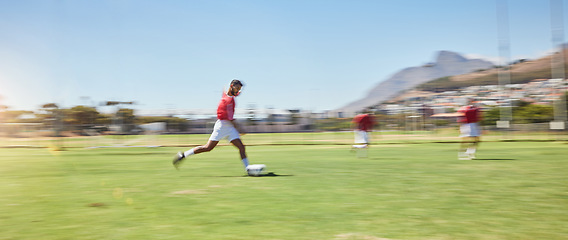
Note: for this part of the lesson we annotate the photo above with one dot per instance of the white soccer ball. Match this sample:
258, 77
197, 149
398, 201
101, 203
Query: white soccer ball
255, 169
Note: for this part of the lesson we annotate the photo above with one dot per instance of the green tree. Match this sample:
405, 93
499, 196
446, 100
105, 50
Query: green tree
48, 111
525, 113
491, 116
522, 104
52, 117
82, 116
533, 114
126, 119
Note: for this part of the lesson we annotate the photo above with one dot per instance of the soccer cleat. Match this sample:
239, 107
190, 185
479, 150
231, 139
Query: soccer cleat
178, 159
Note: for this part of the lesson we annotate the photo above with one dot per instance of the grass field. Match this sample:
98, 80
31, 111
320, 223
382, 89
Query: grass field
516, 190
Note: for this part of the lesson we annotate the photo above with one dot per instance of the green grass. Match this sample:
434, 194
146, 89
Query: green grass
517, 190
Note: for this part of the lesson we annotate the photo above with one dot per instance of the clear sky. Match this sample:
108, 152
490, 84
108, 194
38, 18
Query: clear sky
306, 54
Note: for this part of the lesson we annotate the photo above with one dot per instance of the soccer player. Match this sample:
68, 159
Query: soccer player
469, 129
362, 124
225, 127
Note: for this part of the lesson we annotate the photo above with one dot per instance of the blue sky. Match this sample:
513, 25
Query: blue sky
306, 54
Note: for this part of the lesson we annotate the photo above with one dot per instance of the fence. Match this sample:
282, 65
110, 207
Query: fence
318, 131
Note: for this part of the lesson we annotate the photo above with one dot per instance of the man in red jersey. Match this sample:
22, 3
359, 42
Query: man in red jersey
362, 125
470, 131
225, 127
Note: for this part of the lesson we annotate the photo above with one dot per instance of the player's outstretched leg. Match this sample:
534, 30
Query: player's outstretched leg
180, 156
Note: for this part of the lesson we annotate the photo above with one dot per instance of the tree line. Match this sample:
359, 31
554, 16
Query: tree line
80, 118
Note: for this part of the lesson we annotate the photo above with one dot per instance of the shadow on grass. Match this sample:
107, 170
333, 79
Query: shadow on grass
494, 159
270, 174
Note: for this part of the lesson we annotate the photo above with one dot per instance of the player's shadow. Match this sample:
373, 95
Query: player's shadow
494, 159
270, 174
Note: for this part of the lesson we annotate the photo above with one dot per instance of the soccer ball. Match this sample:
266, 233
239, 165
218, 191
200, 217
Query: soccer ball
255, 169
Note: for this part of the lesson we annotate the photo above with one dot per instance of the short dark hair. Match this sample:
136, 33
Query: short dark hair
237, 82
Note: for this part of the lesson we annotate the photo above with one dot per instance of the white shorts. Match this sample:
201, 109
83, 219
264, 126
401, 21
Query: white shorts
361, 136
224, 129
470, 130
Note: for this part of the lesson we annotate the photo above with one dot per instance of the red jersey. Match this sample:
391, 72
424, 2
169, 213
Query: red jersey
364, 122
471, 114
226, 108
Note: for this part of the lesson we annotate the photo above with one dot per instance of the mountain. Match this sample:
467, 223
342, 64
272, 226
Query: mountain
521, 71
447, 64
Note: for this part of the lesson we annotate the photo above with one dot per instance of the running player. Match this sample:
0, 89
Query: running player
469, 129
362, 124
225, 127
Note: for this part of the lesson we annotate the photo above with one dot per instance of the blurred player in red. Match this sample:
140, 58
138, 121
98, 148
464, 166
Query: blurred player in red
362, 124
225, 127
470, 130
